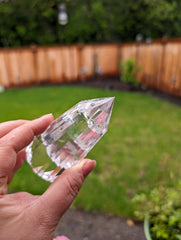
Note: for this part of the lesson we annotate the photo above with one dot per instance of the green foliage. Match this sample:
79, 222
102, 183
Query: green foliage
25, 22
163, 209
129, 70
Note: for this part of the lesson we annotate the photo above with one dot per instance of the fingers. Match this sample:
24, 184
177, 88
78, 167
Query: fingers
11, 145
21, 157
3, 185
21, 136
6, 127
59, 196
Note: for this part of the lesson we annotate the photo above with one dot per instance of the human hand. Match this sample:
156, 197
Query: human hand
22, 215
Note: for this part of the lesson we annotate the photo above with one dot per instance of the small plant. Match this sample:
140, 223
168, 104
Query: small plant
162, 208
129, 70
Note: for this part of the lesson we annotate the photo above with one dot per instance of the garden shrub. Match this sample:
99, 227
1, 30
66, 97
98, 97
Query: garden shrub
129, 70
163, 209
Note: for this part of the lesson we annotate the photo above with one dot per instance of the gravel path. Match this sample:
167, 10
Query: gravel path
80, 225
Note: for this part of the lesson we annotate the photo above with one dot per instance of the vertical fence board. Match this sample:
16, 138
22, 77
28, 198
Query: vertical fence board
108, 56
86, 69
173, 68
125, 52
149, 78
4, 80
43, 72
177, 82
66, 64
128, 51
12, 63
55, 64
74, 62
26, 66
157, 53
70, 63
140, 56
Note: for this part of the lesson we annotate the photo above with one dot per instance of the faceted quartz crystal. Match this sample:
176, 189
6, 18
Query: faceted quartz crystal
69, 138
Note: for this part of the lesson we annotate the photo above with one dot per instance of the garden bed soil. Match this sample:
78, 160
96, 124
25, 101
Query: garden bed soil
116, 84
77, 224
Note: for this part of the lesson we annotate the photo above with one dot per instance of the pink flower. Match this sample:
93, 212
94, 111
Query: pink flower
61, 238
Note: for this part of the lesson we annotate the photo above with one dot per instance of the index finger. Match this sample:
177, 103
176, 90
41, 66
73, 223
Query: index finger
6, 127
21, 136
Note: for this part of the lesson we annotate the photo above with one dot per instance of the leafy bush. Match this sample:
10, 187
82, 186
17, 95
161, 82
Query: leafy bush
163, 209
129, 70
25, 22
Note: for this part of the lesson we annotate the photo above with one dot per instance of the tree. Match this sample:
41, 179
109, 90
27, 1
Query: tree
25, 22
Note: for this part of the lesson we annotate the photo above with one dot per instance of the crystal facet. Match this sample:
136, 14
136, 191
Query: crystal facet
70, 137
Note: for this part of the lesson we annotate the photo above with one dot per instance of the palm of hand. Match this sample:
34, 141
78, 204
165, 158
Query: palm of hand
21, 214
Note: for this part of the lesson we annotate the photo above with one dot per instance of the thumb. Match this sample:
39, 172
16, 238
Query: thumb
61, 193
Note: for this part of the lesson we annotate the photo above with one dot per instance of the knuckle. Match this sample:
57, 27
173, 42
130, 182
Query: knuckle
73, 185
7, 158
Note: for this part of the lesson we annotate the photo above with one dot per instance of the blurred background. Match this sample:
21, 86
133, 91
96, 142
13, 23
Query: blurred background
54, 54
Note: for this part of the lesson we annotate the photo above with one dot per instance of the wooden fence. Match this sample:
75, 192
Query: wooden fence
36, 65
159, 61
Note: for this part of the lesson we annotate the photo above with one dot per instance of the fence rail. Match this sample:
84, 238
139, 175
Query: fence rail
159, 61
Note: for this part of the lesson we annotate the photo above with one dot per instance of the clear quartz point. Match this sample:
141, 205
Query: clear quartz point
69, 138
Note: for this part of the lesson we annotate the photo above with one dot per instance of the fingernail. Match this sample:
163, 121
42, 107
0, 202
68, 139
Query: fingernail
88, 166
46, 115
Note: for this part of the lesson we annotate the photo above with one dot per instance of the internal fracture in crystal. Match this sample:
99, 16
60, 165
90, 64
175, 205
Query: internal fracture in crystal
70, 137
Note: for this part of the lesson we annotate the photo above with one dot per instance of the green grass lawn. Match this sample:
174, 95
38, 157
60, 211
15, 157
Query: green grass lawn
141, 149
